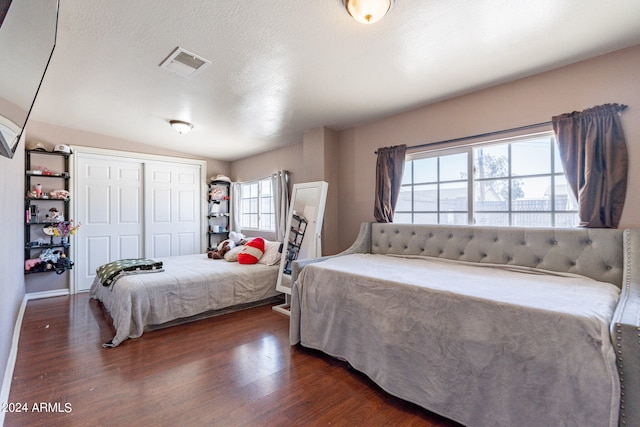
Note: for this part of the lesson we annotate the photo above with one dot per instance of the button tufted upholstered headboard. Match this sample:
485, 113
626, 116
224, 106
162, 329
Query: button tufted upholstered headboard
595, 253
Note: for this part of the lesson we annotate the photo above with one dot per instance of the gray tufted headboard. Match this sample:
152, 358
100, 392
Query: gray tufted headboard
595, 253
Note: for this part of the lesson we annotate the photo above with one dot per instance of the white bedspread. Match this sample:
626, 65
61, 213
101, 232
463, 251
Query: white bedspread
483, 346
189, 285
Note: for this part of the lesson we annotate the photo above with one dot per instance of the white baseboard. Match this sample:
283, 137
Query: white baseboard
13, 352
47, 294
11, 362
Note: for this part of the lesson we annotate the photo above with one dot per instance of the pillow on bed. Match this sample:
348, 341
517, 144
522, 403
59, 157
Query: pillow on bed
232, 255
271, 253
252, 251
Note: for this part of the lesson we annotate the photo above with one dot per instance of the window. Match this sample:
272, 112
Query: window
519, 182
257, 205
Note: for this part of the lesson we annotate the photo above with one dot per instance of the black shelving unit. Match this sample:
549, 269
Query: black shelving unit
219, 214
296, 235
37, 208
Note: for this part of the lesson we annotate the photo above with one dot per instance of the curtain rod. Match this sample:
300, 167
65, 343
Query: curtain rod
480, 135
483, 135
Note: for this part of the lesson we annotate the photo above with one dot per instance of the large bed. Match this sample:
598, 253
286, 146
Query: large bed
189, 285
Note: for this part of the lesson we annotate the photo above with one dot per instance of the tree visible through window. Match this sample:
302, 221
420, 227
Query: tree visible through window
519, 182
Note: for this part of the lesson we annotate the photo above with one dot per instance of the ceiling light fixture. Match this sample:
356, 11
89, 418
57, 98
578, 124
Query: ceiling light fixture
180, 126
368, 11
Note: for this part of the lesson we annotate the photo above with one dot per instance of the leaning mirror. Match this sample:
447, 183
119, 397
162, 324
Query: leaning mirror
27, 39
303, 239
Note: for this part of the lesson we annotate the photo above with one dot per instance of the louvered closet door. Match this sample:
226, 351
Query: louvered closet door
172, 216
110, 208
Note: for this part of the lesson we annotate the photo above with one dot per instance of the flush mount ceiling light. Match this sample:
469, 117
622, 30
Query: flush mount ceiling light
368, 11
180, 126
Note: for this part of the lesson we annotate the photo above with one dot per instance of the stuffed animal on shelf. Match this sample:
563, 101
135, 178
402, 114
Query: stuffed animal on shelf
217, 194
59, 194
63, 264
31, 263
54, 215
224, 247
49, 260
50, 255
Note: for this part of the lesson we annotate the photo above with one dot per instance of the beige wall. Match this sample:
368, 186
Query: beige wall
330, 230
263, 165
606, 79
12, 112
320, 147
313, 159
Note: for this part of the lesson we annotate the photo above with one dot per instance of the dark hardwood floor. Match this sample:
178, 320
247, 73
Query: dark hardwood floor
232, 370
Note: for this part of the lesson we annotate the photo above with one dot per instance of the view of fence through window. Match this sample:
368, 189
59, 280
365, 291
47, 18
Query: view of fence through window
519, 182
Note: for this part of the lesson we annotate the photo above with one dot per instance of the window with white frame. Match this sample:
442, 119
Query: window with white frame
515, 182
257, 205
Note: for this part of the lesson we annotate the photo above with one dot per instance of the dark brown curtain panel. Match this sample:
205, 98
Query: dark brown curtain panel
389, 170
594, 156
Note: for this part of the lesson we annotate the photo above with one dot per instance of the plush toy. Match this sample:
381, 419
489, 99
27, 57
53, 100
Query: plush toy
63, 264
50, 255
252, 251
236, 237
224, 247
230, 244
217, 194
54, 215
31, 263
49, 260
59, 194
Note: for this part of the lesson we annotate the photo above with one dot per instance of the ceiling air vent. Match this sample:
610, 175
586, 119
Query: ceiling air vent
185, 63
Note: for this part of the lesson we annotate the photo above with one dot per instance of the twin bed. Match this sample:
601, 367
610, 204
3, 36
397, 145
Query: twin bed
189, 285
488, 326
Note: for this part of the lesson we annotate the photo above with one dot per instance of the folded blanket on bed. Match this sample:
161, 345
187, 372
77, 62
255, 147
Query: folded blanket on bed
110, 272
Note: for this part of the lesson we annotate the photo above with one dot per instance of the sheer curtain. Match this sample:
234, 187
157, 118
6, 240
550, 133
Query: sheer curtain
389, 170
236, 195
279, 185
280, 182
593, 151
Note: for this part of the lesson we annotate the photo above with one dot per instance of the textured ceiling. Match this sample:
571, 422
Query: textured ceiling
280, 67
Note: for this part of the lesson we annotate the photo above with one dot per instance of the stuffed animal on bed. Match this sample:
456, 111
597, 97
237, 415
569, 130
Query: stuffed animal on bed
224, 247
236, 237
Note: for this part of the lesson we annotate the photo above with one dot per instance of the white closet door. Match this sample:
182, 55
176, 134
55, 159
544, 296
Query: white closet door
111, 212
172, 216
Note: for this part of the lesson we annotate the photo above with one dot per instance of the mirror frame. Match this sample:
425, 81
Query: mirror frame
313, 230
9, 147
12, 130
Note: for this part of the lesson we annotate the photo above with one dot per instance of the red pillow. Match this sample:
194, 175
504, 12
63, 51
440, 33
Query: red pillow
252, 251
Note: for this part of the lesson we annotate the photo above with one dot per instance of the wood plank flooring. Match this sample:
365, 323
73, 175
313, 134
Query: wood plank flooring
237, 369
